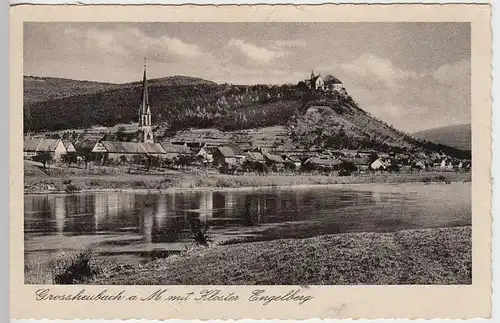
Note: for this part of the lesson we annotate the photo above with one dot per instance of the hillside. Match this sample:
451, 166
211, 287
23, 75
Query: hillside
177, 102
458, 136
39, 89
285, 117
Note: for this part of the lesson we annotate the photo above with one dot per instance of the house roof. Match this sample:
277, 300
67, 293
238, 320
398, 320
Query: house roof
83, 145
226, 151
381, 161
67, 143
324, 162
31, 144
292, 158
255, 156
273, 158
173, 148
153, 148
48, 144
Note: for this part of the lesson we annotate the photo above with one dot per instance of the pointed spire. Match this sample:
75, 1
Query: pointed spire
145, 95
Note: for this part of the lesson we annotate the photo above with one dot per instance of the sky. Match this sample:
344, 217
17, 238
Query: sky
415, 76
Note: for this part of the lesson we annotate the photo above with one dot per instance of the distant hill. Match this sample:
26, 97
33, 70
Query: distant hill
39, 89
176, 80
458, 136
294, 117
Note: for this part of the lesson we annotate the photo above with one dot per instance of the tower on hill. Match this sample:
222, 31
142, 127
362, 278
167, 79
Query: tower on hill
146, 132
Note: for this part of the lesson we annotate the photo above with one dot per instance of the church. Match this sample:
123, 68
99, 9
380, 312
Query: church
330, 84
145, 129
105, 151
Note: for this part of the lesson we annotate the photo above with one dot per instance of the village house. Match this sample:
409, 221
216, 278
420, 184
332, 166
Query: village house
113, 151
438, 162
224, 155
293, 160
174, 151
70, 148
255, 156
205, 154
380, 164
420, 164
29, 149
323, 164
272, 160
457, 164
84, 149
71, 154
46, 147
195, 146
362, 164
154, 149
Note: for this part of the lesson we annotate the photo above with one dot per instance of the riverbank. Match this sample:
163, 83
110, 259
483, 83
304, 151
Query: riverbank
429, 256
62, 182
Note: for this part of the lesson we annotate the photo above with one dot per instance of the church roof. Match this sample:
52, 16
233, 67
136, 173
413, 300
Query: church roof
123, 147
153, 148
313, 79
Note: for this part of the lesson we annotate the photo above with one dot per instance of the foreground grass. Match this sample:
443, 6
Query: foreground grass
68, 268
431, 256
70, 183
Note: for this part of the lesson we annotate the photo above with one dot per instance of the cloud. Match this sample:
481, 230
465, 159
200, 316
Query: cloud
133, 42
257, 54
102, 41
370, 67
450, 74
289, 43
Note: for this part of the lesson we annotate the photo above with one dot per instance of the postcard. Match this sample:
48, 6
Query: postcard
257, 161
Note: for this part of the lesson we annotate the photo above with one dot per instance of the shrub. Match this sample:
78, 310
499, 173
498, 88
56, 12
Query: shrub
75, 269
67, 181
441, 178
71, 188
426, 179
138, 184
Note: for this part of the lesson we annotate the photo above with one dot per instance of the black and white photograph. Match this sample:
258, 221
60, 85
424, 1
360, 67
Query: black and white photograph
247, 153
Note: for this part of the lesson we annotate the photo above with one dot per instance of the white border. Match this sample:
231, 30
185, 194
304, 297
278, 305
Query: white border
4, 139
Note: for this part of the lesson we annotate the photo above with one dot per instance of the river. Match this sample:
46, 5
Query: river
138, 226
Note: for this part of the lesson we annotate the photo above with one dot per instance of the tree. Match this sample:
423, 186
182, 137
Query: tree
302, 86
45, 158
120, 133
330, 78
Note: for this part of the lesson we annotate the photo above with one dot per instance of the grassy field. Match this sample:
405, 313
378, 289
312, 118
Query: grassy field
431, 256
75, 180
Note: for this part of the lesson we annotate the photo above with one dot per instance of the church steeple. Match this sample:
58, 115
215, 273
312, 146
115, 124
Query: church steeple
145, 95
145, 111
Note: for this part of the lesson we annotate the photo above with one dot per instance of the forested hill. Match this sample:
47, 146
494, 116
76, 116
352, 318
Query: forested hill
40, 89
177, 103
458, 136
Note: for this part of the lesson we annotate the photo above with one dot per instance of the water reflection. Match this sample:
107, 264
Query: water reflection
162, 219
